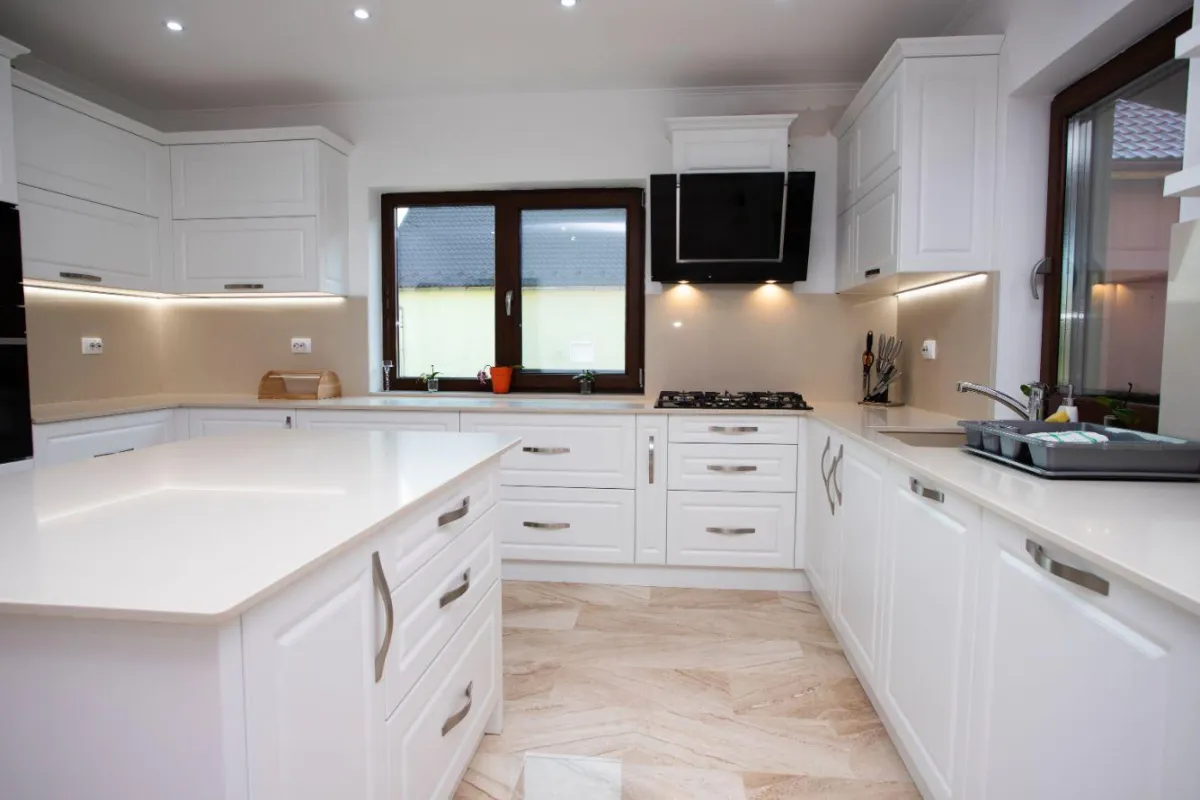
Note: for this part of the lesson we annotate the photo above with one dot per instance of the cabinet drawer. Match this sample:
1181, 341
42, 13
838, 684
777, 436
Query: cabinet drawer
595, 525
732, 467
564, 450
230, 421
430, 606
62, 442
245, 179
434, 733
246, 255
726, 428
731, 529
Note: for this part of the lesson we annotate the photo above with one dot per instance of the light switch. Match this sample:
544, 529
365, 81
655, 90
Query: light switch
929, 350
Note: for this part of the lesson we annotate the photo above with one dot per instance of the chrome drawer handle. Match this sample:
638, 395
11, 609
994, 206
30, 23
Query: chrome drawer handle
731, 531
547, 451
733, 429
652, 460
732, 468
833, 475
829, 476
81, 276
381, 586
113, 453
547, 526
239, 287
458, 716
1059, 570
456, 514
922, 490
458, 591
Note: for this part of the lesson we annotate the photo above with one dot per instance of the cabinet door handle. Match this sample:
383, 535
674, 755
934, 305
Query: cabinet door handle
458, 716
547, 451
826, 477
463, 509
547, 526
651, 461
81, 276
1059, 570
381, 586
243, 287
833, 475
922, 490
287, 423
873, 273
113, 453
732, 468
458, 591
735, 429
731, 531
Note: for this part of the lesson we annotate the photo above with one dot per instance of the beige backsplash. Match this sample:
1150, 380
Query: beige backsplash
733, 337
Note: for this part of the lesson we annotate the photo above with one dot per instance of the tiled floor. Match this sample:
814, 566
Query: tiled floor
649, 694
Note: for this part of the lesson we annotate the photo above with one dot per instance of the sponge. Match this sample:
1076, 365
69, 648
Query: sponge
1059, 416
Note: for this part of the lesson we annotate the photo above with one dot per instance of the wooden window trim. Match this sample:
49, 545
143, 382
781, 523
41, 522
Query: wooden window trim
509, 205
1148, 54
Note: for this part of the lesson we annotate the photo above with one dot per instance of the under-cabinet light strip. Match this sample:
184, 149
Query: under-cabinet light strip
112, 292
947, 285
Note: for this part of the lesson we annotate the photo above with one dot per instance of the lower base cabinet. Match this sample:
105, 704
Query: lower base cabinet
232, 421
62, 442
579, 525
731, 529
859, 490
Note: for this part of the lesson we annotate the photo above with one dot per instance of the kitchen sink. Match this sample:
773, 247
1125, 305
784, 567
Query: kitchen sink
929, 438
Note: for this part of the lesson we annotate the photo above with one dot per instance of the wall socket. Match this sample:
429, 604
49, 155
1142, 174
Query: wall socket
929, 350
92, 345
302, 346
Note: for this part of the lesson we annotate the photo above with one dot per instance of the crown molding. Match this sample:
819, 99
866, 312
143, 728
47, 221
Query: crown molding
10, 49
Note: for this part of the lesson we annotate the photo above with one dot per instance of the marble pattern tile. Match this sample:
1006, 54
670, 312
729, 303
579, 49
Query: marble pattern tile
640, 694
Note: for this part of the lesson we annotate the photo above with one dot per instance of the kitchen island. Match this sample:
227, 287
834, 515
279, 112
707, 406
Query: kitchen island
286, 614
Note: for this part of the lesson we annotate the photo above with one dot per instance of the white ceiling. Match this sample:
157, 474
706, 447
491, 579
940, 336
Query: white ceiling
255, 52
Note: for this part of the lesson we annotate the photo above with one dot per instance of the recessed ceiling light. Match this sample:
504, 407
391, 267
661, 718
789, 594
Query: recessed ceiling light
362, 13
174, 26
568, 3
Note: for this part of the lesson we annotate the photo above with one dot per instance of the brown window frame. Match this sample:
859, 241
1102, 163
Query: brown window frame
509, 204
1148, 54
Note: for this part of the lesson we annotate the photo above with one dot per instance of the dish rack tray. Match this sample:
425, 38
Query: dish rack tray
1127, 455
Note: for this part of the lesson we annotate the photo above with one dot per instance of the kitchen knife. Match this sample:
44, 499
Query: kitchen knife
868, 361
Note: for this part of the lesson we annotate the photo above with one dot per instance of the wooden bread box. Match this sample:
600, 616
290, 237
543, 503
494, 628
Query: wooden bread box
297, 385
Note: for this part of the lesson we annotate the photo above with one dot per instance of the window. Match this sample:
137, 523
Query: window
1115, 136
551, 280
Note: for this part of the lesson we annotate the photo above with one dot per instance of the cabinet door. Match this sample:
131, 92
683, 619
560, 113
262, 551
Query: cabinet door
8, 158
247, 179
230, 421
76, 241
858, 484
1078, 694
62, 442
441, 421
314, 710
875, 232
847, 148
246, 255
877, 141
731, 529
931, 552
847, 258
651, 490
820, 508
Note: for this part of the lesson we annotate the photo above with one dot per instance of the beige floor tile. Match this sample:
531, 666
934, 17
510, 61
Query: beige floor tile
565, 730
547, 618
490, 777
643, 688
711, 598
749, 622
608, 648
810, 687
524, 594
642, 782
807, 787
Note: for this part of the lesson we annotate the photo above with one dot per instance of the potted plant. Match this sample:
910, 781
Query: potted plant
587, 381
430, 379
501, 377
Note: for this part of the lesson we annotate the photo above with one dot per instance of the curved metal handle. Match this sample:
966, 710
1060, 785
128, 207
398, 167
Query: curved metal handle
547, 451
1059, 570
81, 276
287, 422
456, 514
242, 287
919, 488
1040, 268
732, 468
547, 526
458, 591
826, 476
733, 429
651, 460
381, 586
731, 531
833, 475
458, 716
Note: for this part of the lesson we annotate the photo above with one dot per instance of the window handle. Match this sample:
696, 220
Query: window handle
1040, 268
508, 303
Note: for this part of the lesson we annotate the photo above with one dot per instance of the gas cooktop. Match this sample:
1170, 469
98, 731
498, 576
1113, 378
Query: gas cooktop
741, 401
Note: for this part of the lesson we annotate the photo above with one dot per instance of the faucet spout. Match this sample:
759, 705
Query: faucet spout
1025, 412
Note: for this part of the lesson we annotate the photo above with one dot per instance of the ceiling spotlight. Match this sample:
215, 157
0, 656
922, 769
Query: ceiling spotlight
362, 13
568, 3
174, 26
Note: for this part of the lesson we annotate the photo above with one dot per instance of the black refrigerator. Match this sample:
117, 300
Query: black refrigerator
16, 429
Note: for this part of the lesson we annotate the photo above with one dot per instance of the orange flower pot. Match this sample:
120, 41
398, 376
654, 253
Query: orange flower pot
501, 379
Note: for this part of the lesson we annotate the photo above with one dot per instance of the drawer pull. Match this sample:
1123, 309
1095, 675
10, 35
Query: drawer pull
732, 468
1059, 570
828, 477
547, 451
381, 586
113, 453
458, 716
456, 514
873, 273
731, 531
240, 287
458, 591
833, 475
547, 526
922, 490
651, 460
733, 429
81, 276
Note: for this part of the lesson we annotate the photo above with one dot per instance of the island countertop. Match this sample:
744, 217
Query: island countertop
200, 530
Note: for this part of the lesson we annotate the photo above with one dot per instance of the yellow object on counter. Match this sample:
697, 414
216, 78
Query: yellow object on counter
1059, 416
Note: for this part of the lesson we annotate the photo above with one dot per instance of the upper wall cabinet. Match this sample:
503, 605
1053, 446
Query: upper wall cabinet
8, 162
747, 143
917, 166
245, 179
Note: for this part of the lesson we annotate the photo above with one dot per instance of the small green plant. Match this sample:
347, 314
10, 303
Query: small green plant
587, 376
432, 375
1119, 408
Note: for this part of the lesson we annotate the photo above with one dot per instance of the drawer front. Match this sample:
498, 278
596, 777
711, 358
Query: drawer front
564, 450
231, 421
247, 179
62, 442
727, 428
434, 733
432, 604
592, 525
731, 529
732, 467
444, 421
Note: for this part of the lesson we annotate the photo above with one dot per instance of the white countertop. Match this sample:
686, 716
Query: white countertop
200, 530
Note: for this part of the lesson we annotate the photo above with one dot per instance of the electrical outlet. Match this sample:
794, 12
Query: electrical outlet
301, 345
929, 350
92, 345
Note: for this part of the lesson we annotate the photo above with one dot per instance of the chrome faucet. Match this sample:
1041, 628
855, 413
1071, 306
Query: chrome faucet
1033, 411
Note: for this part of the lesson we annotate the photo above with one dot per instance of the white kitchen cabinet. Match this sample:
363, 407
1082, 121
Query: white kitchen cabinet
230, 421
931, 555
732, 467
847, 258
8, 159
246, 255
876, 143
63, 442
858, 489
577, 525
875, 232
1078, 693
821, 527
651, 497
245, 179
734, 428
731, 529
755, 143
443, 421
